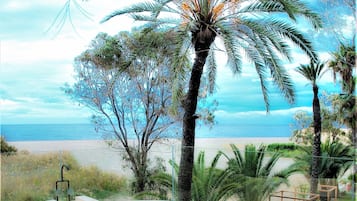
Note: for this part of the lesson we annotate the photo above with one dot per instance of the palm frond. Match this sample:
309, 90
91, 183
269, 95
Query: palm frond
212, 71
280, 76
312, 71
290, 32
296, 8
293, 9
180, 66
229, 36
153, 7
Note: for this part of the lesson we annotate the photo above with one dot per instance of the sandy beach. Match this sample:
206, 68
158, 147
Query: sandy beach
98, 153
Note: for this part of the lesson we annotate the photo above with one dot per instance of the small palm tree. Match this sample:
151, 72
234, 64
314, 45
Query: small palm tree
312, 72
255, 173
336, 159
243, 27
208, 183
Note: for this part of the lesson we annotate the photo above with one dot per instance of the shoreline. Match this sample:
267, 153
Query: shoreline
98, 153
38, 146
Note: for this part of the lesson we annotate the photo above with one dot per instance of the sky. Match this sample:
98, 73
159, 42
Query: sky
37, 53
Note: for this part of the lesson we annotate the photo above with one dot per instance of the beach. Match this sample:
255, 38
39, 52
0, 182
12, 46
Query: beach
99, 153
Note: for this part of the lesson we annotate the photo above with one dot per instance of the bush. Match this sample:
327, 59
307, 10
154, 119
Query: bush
282, 147
6, 148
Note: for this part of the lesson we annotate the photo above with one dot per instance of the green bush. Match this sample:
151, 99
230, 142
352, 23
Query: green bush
6, 148
290, 146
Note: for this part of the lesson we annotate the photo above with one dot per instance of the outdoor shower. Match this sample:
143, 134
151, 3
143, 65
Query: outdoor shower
62, 180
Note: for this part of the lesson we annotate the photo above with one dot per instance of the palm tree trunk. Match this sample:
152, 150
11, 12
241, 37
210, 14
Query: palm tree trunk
189, 125
316, 148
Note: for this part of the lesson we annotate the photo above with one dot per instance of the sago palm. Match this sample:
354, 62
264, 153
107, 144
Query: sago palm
257, 29
336, 159
209, 183
254, 171
312, 72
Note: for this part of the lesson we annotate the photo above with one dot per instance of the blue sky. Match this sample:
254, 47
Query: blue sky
36, 62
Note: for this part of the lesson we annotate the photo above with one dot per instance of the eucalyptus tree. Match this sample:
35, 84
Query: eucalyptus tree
255, 174
312, 72
258, 29
125, 80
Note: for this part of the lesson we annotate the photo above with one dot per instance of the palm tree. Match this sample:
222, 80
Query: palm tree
208, 183
255, 173
243, 27
313, 72
343, 63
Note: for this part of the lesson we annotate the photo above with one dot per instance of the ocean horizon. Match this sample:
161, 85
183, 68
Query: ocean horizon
54, 132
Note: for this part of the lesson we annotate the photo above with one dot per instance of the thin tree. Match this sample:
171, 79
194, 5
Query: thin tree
244, 28
312, 72
128, 90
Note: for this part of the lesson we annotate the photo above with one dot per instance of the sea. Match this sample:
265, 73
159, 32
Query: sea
52, 132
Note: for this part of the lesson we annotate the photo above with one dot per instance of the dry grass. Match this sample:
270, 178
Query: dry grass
29, 177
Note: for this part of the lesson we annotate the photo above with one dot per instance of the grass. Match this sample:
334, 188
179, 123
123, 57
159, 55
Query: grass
346, 197
287, 150
30, 177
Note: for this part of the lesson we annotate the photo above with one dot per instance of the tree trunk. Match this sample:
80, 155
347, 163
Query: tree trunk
189, 124
316, 148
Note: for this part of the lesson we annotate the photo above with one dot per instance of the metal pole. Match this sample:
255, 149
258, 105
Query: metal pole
173, 172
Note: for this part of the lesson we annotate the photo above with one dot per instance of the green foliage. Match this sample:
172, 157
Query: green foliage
282, 147
6, 148
254, 172
33, 177
209, 182
289, 149
335, 160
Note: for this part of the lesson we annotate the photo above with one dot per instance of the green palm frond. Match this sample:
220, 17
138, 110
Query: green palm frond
212, 71
292, 8
312, 71
209, 182
154, 7
255, 172
336, 159
232, 47
180, 67
290, 32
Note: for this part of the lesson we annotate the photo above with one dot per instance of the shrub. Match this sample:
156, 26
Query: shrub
6, 148
282, 147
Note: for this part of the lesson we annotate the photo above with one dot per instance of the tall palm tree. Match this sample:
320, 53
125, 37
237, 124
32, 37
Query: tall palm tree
255, 173
243, 27
312, 72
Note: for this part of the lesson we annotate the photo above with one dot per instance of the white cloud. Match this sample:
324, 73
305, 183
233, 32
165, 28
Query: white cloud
282, 112
25, 53
8, 105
